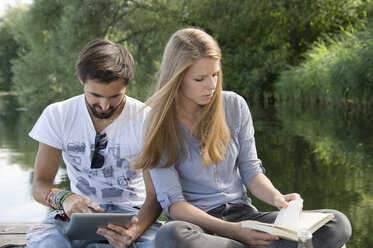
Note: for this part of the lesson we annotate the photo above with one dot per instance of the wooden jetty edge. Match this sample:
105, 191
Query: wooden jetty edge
13, 234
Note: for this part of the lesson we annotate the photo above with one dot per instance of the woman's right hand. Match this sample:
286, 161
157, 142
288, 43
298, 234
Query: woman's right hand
252, 237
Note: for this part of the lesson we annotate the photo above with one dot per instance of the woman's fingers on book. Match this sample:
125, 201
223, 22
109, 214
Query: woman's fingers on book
292, 197
280, 202
262, 238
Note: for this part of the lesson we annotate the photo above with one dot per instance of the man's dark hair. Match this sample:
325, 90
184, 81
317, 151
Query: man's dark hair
105, 61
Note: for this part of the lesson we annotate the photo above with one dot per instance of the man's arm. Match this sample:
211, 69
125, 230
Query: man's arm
151, 209
46, 166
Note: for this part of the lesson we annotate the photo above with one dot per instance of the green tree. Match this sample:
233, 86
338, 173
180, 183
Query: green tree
46, 64
259, 39
336, 73
8, 52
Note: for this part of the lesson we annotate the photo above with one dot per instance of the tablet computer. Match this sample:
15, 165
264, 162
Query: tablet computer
83, 226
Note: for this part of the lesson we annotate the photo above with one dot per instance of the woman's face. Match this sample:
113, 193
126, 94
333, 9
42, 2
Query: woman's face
199, 82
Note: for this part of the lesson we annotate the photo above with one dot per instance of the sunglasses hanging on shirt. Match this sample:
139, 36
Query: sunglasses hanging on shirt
98, 159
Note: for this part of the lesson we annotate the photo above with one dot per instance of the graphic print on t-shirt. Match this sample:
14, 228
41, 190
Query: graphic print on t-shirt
116, 166
76, 160
90, 172
107, 171
84, 187
76, 147
115, 151
111, 192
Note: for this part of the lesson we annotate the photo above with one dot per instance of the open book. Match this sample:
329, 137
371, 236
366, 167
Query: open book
290, 220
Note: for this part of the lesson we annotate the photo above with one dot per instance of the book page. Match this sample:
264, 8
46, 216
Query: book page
313, 221
256, 225
290, 220
290, 217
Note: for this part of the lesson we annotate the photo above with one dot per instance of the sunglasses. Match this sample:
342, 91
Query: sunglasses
98, 159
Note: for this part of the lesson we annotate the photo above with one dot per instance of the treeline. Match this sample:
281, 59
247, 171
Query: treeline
259, 40
338, 73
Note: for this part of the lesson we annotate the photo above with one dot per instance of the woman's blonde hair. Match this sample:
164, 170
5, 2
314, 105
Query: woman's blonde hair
163, 136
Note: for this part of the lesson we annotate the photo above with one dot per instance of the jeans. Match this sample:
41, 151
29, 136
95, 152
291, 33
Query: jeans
181, 234
52, 232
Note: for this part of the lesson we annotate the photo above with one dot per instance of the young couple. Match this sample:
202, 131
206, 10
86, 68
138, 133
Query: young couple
192, 154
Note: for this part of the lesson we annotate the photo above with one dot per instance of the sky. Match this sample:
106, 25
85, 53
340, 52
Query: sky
5, 3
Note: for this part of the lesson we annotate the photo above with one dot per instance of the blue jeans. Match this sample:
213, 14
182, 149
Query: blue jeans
52, 232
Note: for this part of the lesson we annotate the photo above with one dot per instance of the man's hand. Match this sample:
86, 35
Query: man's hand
118, 236
80, 204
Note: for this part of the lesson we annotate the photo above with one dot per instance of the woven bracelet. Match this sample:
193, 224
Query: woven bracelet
56, 197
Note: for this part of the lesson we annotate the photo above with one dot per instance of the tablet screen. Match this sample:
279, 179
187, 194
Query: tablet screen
83, 226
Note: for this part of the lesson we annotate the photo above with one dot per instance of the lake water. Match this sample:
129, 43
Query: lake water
324, 154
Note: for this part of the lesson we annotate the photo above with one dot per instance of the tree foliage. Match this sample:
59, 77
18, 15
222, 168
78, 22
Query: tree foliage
259, 39
8, 51
339, 72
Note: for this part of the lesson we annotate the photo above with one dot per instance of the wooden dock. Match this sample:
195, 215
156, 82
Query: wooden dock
13, 234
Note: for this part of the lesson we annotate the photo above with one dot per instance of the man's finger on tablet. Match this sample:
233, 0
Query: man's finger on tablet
94, 206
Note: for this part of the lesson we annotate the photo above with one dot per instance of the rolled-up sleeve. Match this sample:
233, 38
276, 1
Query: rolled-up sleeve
167, 186
248, 162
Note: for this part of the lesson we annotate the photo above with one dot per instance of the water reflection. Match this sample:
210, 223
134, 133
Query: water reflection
324, 154
17, 154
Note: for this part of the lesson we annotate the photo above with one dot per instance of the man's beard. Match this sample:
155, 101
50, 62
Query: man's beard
98, 115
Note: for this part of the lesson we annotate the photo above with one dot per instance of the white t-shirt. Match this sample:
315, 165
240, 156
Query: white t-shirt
67, 126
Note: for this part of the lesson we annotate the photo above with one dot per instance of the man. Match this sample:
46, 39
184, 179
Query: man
96, 133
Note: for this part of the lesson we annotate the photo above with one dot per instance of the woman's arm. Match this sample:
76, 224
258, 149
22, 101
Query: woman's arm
262, 188
233, 230
249, 165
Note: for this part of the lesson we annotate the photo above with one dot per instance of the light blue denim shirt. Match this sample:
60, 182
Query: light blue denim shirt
212, 186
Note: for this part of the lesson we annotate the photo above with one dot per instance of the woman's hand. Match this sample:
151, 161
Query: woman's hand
282, 201
119, 236
252, 237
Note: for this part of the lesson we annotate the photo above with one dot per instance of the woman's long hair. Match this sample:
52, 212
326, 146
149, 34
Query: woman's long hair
163, 136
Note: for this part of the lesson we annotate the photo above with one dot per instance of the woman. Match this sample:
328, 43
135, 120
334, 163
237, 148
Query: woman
200, 149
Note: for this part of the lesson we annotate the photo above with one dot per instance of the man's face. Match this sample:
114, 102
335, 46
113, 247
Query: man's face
104, 99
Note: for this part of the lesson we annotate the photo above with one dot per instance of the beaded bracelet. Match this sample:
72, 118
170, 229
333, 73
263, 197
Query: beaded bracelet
56, 197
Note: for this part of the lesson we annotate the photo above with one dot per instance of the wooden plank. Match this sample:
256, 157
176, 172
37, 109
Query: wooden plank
13, 233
